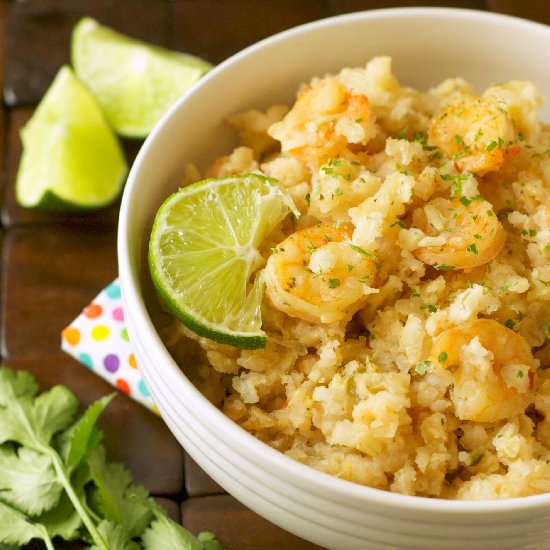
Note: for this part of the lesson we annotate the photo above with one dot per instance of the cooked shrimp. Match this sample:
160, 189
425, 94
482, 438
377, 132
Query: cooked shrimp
477, 134
318, 275
462, 233
492, 370
323, 122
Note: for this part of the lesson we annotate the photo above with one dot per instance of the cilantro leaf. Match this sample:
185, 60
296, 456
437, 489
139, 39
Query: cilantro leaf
62, 521
165, 534
28, 480
115, 537
31, 420
16, 528
84, 435
116, 498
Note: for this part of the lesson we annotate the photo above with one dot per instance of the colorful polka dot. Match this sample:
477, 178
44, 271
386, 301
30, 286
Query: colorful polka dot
100, 332
143, 389
86, 359
118, 314
113, 290
111, 362
71, 335
99, 339
93, 311
122, 385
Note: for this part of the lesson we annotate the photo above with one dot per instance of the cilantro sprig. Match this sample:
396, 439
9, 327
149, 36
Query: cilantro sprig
55, 480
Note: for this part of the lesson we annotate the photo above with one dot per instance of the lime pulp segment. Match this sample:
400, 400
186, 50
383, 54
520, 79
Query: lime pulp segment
71, 158
203, 252
135, 82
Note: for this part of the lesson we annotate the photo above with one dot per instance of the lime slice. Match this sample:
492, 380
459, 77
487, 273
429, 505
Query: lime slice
203, 252
135, 82
71, 158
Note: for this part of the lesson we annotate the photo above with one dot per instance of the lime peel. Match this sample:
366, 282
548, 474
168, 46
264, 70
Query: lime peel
203, 252
71, 158
134, 82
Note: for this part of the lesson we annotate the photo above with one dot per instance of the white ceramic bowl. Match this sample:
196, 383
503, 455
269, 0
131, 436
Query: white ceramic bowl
427, 45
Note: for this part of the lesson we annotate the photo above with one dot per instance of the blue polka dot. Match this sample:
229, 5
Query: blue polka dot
113, 290
143, 388
87, 360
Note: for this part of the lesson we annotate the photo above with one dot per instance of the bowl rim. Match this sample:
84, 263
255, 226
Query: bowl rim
133, 300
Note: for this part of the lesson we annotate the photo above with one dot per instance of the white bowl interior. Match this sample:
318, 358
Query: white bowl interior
427, 45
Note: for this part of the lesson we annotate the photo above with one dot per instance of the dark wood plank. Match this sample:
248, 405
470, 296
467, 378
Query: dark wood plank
171, 506
197, 482
537, 10
237, 527
345, 6
50, 274
40, 31
215, 30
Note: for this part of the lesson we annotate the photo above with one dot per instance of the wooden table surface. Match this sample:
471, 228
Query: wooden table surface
54, 265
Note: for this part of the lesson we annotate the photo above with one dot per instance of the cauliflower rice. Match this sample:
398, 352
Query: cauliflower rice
408, 307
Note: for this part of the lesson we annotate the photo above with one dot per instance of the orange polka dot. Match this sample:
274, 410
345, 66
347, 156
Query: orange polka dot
71, 335
123, 385
92, 311
132, 361
100, 332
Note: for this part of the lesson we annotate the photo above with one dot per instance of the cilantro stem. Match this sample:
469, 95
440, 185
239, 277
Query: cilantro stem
48, 541
79, 507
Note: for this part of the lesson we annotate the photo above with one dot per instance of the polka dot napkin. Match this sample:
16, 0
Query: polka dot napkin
98, 338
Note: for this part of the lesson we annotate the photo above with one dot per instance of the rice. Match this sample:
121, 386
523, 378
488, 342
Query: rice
432, 378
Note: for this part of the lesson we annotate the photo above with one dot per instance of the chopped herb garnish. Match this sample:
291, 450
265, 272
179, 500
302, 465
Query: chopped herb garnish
422, 366
519, 374
421, 137
546, 329
510, 323
333, 283
460, 141
458, 180
465, 201
444, 267
308, 198
432, 308
400, 223
491, 146
442, 357
362, 251
472, 248
339, 192
402, 134
274, 250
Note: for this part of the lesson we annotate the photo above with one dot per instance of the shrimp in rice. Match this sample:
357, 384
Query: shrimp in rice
408, 306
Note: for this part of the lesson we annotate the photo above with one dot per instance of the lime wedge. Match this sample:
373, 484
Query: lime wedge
135, 82
203, 252
71, 158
